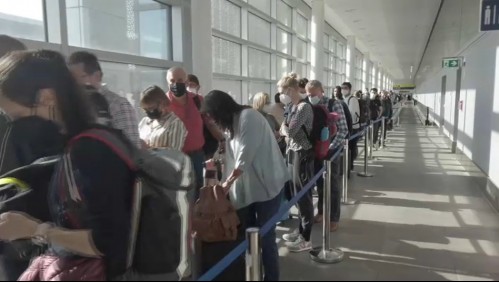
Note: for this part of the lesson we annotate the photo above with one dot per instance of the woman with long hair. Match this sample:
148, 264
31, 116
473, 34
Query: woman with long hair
254, 170
90, 196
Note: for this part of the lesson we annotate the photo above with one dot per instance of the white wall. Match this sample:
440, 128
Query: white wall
478, 136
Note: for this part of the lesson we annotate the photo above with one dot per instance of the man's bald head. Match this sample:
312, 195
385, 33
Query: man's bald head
9, 44
176, 75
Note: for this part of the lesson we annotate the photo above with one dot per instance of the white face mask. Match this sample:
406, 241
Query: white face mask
373, 96
314, 100
192, 90
303, 96
285, 99
345, 92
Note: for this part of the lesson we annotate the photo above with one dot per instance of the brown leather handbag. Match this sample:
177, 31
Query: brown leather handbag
215, 218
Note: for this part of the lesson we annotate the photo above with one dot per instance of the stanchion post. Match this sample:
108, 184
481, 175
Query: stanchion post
253, 255
346, 169
365, 173
383, 128
326, 254
371, 141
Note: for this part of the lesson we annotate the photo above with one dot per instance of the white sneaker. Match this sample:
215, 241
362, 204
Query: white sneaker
300, 246
292, 237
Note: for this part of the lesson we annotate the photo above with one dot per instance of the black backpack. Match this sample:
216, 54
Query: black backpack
364, 111
160, 209
210, 142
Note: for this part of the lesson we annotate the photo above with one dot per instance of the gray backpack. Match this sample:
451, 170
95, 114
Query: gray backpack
158, 242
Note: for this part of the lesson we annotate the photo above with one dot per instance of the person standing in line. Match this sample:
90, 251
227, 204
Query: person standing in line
376, 110
254, 172
87, 71
337, 93
302, 83
277, 109
161, 128
387, 112
25, 139
316, 97
354, 107
259, 102
192, 83
186, 106
300, 158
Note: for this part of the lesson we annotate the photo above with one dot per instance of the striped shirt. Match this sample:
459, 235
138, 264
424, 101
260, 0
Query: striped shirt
168, 132
124, 116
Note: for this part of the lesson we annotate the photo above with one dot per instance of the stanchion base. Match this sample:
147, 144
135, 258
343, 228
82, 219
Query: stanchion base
363, 174
327, 256
349, 202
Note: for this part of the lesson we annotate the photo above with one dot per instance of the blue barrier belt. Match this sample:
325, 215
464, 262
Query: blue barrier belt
241, 248
358, 134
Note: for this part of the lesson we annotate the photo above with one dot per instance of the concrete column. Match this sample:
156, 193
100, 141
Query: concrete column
317, 35
351, 60
202, 62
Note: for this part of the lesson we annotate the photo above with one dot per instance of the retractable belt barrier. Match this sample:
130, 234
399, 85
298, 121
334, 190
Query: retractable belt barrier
241, 248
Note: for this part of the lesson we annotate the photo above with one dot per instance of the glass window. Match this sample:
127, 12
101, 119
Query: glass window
284, 13
258, 30
301, 49
138, 27
226, 57
226, 17
301, 26
283, 67
301, 70
231, 87
339, 50
325, 42
283, 41
325, 79
262, 5
130, 80
332, 45
258, 63
16, 19
257, 87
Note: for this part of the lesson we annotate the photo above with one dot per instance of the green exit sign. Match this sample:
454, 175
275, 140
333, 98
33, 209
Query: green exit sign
450, 63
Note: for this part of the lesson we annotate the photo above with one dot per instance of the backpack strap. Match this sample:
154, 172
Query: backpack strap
121, 148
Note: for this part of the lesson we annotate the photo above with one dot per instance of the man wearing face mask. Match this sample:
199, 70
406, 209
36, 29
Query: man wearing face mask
161, 128
186, 106
354, 107
316, 96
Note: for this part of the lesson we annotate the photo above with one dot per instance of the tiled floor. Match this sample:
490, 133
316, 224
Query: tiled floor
422, 217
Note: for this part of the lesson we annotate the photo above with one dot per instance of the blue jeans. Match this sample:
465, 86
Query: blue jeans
198, 160
258, 215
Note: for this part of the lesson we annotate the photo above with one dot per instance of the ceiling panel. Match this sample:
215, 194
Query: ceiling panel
394, 32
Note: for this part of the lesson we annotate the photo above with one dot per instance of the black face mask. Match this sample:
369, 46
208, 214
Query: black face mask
154, 114
178, 89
